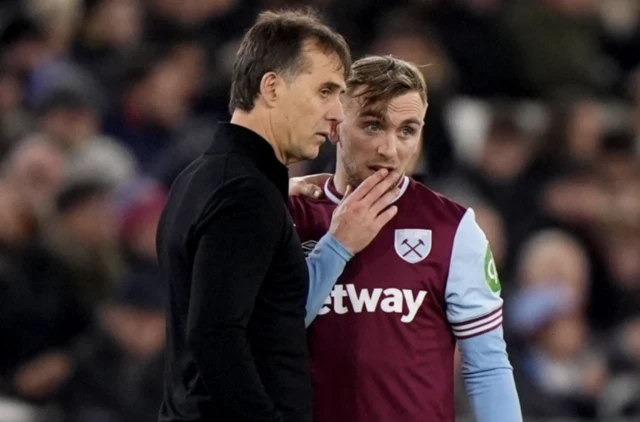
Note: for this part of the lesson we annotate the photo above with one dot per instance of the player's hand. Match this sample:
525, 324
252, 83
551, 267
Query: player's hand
310, 186
365, 211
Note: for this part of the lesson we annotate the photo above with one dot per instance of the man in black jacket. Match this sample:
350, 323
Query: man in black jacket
236, 275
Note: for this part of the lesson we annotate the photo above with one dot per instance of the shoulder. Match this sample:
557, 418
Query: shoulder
214, 186
446, 210
229, 177
250, 192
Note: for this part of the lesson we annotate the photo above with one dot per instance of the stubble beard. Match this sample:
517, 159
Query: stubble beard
352, 177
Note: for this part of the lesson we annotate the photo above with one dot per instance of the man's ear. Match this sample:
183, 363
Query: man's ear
269, 88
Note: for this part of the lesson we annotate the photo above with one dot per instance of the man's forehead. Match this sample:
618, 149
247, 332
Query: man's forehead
382, 109
325, 62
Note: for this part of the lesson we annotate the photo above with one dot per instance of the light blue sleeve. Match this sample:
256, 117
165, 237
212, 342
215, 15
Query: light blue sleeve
474, 311
472, 293
488, 378
326, 261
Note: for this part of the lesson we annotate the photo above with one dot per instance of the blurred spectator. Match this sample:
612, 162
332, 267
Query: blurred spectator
40, 314
621, 25
118, 364
15, 121
503, 175
558, 45
155, 104
558, 362
553, 258
71, 120
564, 366
59, 20
138, 225
23, 45
483, 55
109, 30
574, 139
620, 246
26, 48
83, 236
36, 166
635, 94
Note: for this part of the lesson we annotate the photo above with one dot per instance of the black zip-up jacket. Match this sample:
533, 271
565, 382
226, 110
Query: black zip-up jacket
237, 285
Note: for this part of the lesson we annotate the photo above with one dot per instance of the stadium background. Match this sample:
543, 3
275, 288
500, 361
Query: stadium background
534, 120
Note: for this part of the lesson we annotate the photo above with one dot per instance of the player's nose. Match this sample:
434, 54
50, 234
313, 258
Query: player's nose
388, 146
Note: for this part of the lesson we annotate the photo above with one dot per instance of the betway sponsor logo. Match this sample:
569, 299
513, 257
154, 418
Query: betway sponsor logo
345, 298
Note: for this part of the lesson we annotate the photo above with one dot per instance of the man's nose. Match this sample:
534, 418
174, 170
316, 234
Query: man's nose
336, 112
389, 146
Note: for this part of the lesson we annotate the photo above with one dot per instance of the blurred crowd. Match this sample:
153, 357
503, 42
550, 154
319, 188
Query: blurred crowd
533, 120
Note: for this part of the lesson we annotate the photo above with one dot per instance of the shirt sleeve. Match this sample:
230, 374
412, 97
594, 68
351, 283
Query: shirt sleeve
232, 258
326, 261
488, 378
472, 293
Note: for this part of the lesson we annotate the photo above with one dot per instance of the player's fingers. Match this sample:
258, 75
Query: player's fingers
382, 188
384, 201
347, 192
369, 183
386, 216
312, 191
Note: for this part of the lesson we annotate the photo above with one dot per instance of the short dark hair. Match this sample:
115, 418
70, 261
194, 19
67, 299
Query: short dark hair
275, 44
383, 79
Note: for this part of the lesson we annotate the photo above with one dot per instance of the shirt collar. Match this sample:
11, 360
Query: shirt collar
230, 138
334, 196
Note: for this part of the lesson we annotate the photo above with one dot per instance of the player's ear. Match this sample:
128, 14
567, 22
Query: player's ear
269, 88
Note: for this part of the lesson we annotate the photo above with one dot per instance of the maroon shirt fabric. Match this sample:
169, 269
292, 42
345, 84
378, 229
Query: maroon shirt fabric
382, 347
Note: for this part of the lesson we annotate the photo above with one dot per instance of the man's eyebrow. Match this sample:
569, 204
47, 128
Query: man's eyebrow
333, 86
369, 114
412, 120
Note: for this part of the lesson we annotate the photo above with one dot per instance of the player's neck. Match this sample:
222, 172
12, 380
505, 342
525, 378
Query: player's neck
340, 180
254, 122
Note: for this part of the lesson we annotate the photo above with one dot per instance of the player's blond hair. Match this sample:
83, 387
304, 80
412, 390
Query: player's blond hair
376, 80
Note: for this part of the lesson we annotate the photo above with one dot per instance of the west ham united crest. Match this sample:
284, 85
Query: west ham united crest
413, 245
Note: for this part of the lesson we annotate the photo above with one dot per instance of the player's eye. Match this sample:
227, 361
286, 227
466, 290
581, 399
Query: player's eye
373, 127
325, 92
408, 131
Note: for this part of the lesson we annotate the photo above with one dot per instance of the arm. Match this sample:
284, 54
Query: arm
325, 262
231, 261
488, 378
474, 310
